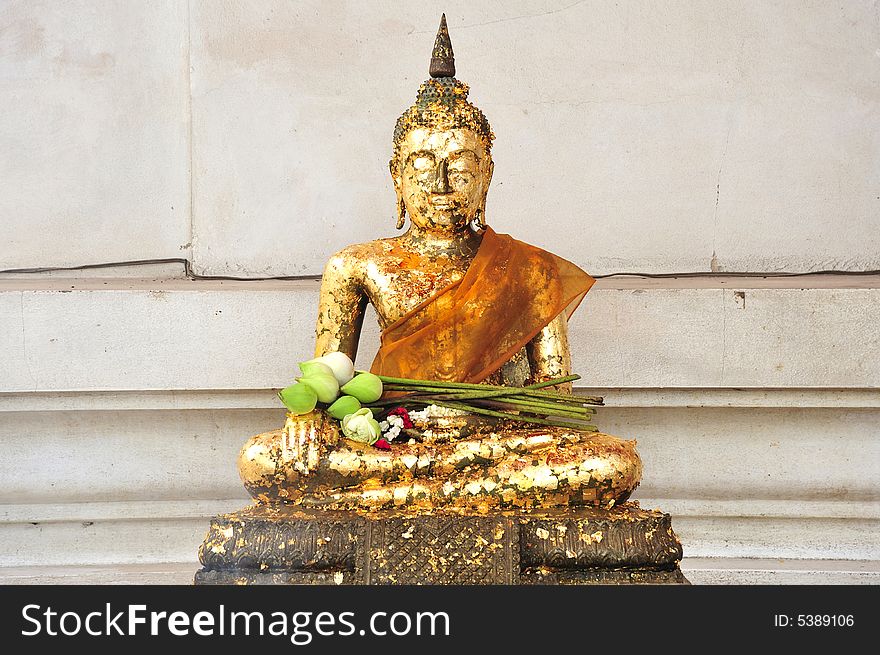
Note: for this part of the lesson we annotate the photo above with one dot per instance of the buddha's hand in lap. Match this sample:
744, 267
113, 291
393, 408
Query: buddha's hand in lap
277, 465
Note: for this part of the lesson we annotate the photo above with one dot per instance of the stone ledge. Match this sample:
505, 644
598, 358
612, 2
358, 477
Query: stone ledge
699, 571
723, 571
152, 540
148, 339
146, 509
718, 454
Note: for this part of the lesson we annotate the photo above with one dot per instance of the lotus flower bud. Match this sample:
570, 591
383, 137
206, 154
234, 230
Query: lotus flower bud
314, 367
298, 398
366, 387
343, 406
375, 431
339, 363
361, 426
323, 384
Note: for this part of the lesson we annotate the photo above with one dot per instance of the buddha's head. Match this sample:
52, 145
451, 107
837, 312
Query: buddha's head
442, 161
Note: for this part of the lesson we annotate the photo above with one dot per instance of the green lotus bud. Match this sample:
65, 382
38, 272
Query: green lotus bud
323, 384
343, 406
361, 426
298, 398
366, 387
314, 367
339, 363
375, 431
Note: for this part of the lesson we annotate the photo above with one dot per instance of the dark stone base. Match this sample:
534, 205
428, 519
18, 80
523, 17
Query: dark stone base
279, 544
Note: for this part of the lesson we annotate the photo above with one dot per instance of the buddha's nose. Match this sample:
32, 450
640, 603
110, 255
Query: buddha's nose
441, 177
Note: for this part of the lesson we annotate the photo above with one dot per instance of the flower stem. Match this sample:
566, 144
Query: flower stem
513, 395
464, 394
513, 403
540, 412
564, 397
536, 390
517, 404
517, 417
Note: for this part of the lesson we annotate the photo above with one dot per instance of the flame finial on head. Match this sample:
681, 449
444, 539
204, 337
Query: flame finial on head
442, 58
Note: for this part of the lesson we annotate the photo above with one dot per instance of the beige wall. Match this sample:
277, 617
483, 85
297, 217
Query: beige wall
94, 132
632, 136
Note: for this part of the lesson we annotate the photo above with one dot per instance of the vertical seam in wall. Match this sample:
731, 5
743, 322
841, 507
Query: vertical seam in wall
190, 127
721, 292
24, 349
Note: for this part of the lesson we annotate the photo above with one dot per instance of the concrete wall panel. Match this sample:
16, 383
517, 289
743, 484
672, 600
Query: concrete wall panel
94, 132
203, 335
630, 137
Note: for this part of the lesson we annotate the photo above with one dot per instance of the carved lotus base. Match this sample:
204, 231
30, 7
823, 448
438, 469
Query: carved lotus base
282, 544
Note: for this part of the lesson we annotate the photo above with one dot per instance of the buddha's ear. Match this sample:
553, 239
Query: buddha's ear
490, 169
394, 169
398, 191
480, 217
395, 173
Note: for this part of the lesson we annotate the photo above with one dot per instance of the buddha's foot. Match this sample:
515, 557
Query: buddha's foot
308, 463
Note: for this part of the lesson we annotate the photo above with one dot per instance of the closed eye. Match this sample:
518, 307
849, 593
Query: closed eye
421, 161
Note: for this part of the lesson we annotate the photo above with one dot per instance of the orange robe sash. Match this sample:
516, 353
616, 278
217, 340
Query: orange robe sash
470, 329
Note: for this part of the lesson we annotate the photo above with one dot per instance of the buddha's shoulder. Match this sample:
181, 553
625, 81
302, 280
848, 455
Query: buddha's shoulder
359, 254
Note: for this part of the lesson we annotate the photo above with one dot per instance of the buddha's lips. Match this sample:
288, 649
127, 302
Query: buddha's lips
441, 202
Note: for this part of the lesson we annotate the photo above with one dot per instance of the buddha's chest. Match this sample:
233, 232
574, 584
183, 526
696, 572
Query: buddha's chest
402, 280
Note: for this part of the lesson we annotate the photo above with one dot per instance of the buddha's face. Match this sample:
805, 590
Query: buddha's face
442, 177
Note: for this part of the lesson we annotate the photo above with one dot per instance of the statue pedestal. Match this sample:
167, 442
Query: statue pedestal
278, 544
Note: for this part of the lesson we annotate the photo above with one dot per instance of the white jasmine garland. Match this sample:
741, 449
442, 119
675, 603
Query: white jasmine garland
391, 427
435, 411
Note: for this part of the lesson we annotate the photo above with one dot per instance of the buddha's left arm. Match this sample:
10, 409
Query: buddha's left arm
548, 352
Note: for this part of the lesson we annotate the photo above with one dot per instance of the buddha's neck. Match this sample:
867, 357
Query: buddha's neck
453, 243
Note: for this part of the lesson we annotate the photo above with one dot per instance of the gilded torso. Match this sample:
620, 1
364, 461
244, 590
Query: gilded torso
396, 277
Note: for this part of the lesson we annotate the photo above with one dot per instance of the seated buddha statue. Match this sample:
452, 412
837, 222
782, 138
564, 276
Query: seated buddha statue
456, 301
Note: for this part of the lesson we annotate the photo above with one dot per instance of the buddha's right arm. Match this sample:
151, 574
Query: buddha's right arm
341, 307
